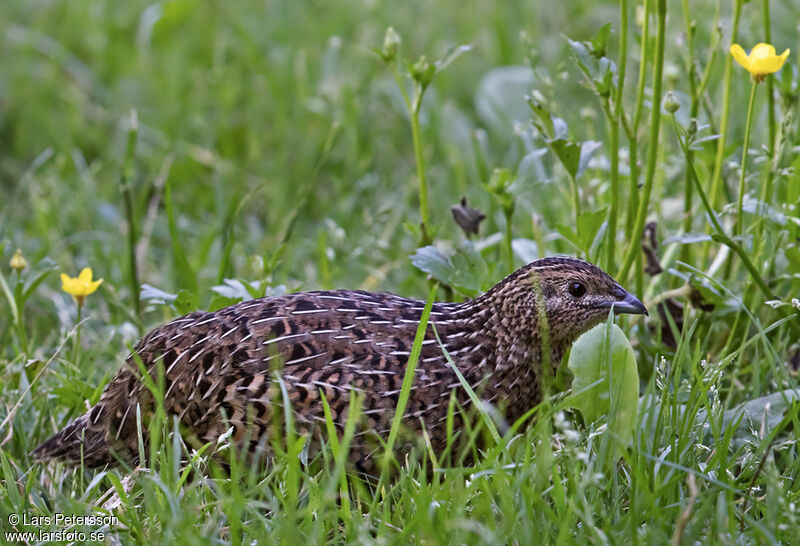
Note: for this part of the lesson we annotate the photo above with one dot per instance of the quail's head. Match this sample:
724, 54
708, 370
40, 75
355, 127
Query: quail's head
577, 295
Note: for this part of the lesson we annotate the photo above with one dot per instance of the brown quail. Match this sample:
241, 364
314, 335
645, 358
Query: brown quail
219, 367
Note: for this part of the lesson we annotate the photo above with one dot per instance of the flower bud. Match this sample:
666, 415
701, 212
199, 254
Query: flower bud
423, 71
18, 261
391, 45
671, 103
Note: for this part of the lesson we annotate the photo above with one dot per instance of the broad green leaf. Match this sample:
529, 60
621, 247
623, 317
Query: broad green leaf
606, 377
464, 270
767, 411
744, 421
589, 226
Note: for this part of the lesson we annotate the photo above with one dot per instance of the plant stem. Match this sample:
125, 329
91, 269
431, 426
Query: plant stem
773, 148
652, 144
695, 105
576, 202
615, 121
425, 238
509, 251
413, 109
720, 235
770, 96
737, 227
716, 176
612, 213
77, 345
20, 318
633, 135
127, 175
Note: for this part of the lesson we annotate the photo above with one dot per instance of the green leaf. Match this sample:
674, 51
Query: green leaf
573, 155
569, 153
582, 56
44, 268
764, 210
500, 180
11, 481
434, 262
606, 379
569, 234
588, 149
600, 41
600, 70
272, 262
12, 304
236, 289
185, 302
154, 295
464, 270
218, 302
688, 238
589, 227
452, 54
792, 253
545, 120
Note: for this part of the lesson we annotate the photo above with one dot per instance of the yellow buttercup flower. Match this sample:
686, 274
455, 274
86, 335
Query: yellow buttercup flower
81, 286
761, 61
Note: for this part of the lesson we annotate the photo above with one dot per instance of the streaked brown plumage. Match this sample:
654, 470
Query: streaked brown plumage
219, 367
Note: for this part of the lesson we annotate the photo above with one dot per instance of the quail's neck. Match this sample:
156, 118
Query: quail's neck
500, 349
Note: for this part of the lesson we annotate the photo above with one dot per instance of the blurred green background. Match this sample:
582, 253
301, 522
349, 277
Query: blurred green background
247, 107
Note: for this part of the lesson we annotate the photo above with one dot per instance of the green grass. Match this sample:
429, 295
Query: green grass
272, 150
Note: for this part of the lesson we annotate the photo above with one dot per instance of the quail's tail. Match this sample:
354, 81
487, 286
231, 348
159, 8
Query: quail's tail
77, 443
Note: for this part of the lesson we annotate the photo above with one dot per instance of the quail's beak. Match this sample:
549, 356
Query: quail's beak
627, 303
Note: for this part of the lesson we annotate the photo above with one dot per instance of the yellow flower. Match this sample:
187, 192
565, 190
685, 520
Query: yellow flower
18, 261
81, 286
761, 60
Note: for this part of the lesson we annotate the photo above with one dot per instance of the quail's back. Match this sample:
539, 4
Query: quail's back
225, 369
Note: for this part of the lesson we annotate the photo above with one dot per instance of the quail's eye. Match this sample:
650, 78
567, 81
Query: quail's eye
576, 289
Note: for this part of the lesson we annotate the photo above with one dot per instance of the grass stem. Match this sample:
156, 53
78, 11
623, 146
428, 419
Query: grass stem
737, 227
716, 176
633, 133
652, 144
719, 234
613, 212
127, 195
